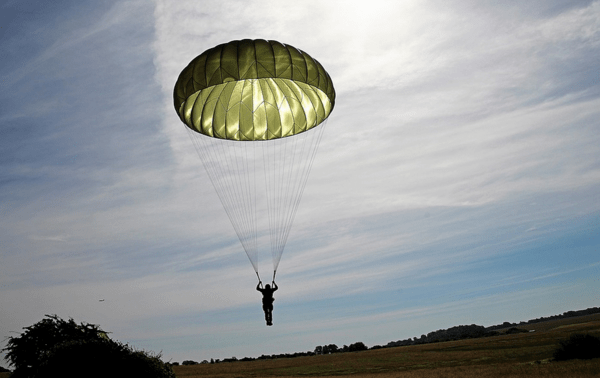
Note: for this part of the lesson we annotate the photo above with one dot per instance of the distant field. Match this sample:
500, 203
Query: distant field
516, 355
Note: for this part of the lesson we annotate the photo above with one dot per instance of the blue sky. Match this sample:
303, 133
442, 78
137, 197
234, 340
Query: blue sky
457, 182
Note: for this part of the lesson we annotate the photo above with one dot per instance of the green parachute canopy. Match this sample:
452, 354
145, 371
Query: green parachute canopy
252, 108
253, 90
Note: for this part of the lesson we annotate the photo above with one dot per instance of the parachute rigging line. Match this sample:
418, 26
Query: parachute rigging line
234, 168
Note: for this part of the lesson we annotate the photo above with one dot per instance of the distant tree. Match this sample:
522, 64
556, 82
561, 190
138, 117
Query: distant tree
578, 346
189, 362
356, 347
318, 349
333, 348
325, 349
456, 333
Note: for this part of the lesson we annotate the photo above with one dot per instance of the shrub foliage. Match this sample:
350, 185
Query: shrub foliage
25, 352
578, 346
101, 359
55, 347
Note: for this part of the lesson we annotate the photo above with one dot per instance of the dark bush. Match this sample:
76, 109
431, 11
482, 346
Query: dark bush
578, 346
28, 350
100, 359
513, 330
55, 347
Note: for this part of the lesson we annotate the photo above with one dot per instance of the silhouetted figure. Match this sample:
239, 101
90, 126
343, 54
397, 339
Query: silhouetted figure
267, 300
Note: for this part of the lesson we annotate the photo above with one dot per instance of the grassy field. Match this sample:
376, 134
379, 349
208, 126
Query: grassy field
515, 355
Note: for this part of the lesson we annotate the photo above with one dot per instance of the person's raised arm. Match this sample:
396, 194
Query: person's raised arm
258, 286
275, 286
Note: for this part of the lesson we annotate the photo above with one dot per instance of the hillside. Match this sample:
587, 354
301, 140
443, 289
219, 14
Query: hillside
516, 355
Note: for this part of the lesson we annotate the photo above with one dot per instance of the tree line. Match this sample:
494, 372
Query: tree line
564, 315
319, 350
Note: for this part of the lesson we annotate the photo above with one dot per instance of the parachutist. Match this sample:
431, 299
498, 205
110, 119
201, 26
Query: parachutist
255, 111
267, 300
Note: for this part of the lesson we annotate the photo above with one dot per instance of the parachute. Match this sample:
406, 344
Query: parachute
252, 108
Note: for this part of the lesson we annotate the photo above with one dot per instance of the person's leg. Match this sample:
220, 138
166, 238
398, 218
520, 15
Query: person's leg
266, 310
270, 316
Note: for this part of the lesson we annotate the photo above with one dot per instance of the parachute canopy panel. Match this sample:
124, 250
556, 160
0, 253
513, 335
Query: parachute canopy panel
252, 90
